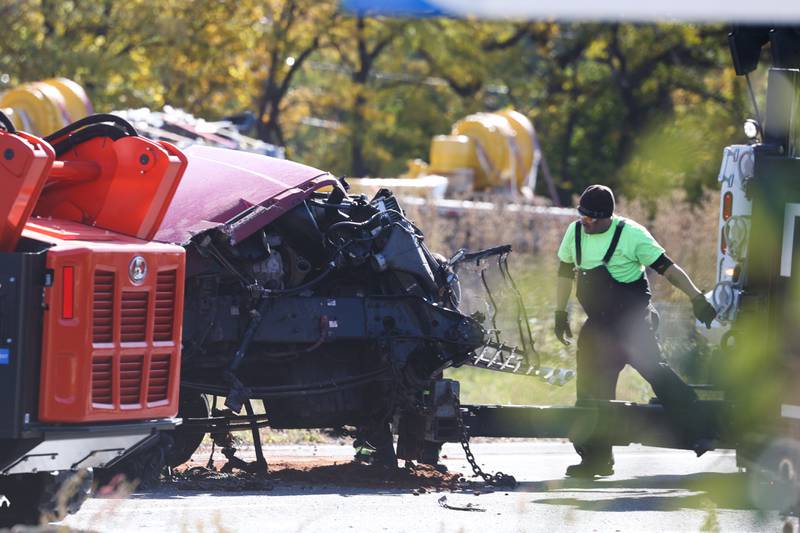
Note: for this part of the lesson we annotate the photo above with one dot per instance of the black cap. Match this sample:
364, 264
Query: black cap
597, 201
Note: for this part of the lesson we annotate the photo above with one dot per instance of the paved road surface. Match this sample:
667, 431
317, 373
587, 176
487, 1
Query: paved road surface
652, 490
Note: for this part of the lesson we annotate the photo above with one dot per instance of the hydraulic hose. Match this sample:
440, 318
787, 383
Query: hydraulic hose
100, 125
99, 118
6, 123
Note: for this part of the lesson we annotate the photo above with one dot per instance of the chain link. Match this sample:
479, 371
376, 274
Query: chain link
498, 479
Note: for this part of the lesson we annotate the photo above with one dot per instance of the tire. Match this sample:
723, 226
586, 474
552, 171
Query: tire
774, 477
33, 499
186, 439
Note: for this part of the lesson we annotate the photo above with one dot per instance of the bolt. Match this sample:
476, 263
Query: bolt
8, 154
144, 159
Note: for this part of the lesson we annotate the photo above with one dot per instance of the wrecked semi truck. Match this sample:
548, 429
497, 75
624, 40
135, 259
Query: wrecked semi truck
326, 308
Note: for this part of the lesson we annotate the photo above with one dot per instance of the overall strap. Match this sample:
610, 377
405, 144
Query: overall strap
614, 242
578, 244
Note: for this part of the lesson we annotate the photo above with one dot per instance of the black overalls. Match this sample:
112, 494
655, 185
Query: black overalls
619, 330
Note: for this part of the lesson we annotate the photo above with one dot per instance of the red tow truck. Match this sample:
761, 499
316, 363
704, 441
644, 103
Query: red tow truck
90, 309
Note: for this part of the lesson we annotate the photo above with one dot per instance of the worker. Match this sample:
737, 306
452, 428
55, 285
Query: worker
609, 254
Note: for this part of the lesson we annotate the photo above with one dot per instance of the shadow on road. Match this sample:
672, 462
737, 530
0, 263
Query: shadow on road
650, 493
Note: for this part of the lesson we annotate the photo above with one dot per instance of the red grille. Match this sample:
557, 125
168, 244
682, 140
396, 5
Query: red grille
133, 320
165, 305
103, 307
159, 377
102, 368
130, 379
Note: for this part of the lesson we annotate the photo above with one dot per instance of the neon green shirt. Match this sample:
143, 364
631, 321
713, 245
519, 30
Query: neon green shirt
635, 250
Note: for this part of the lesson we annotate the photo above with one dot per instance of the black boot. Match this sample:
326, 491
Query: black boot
588, 470
597, 459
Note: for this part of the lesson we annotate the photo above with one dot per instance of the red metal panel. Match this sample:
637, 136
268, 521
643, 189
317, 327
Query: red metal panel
220, 184
114, 359
124, 186
25, 162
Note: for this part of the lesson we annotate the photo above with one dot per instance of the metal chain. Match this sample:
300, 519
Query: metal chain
499, 479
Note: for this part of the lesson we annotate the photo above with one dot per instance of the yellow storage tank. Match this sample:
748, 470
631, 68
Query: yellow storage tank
40, 108
452, 152
524, 143
493, 136
76, 101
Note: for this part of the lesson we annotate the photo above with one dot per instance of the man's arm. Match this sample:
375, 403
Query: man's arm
650, 253
703, 310
681, 280
563, 291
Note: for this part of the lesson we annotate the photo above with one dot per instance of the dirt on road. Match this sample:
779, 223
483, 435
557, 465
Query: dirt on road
312, 471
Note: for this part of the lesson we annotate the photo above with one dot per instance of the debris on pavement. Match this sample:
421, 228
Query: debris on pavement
314, 471
202, 478
469, 507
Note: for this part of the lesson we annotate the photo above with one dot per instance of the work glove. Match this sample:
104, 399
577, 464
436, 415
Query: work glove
703, 310
562, 327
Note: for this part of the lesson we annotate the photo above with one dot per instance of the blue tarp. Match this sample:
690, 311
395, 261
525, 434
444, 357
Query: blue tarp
729, 11
397, 8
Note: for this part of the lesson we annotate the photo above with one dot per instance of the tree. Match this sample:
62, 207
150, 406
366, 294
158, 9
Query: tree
292, 30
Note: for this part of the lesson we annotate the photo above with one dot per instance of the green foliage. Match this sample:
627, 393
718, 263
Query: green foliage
643, 107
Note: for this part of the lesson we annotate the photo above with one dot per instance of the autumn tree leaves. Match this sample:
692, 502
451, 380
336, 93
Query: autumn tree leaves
359, 96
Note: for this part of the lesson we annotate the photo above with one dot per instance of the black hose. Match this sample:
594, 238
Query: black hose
350, 223
7, 124
98, 118
87, 128
299, 288
88, 133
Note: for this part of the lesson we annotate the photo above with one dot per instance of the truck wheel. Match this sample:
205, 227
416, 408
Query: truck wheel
188, 439
33, 499
774, 477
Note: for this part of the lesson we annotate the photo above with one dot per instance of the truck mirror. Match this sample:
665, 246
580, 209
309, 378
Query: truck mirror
745, 43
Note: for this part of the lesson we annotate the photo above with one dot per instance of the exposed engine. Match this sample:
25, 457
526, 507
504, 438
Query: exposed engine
334, 314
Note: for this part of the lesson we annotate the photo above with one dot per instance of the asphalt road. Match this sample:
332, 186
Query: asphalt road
652, 490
